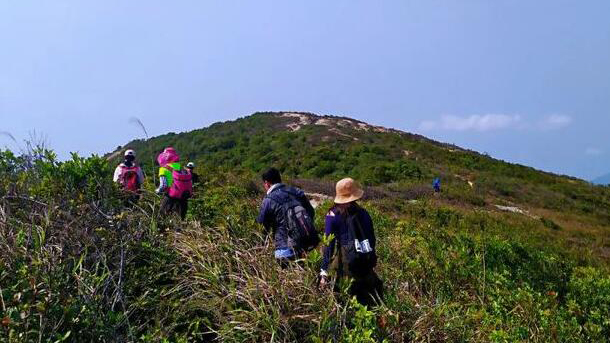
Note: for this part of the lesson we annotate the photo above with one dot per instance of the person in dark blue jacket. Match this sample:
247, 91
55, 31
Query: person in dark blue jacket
366, 285
273, 217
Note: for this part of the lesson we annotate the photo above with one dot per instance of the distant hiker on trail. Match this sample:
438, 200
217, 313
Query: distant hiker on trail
288, 214
191, 167
351, 253
175, 182
436, 184
130, 176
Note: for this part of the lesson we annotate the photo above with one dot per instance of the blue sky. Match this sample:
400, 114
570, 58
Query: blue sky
525, 81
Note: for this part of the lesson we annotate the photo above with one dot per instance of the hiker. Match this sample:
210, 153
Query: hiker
436, 184
175, 183
288, 214
191, 167
129, 176
351, 253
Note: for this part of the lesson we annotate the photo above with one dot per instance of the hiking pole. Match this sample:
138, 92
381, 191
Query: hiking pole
138, 122
9, 135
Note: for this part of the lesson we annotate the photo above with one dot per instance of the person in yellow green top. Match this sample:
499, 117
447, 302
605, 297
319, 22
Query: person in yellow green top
175, 183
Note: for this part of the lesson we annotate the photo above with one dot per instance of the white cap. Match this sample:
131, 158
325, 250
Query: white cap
130, 152
190, 165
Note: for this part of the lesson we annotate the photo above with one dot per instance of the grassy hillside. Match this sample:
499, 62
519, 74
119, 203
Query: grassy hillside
78, 266
307, 146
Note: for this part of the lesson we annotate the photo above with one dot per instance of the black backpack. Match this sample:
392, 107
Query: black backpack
300, 225
360, 251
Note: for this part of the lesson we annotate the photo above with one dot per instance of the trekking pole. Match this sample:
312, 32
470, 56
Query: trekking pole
138, 122
9, 135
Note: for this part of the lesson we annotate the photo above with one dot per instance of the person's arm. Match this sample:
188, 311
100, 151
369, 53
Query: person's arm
117, 174
162, 184
264, 214
329, 250
140, 176
162, 181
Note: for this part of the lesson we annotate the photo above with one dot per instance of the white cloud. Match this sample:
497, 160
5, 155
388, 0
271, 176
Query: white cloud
593, 151
487, 122
556, 121
491, 122
428, 125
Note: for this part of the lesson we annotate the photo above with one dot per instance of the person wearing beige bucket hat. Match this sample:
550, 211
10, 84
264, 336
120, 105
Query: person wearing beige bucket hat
348, 190
351, 253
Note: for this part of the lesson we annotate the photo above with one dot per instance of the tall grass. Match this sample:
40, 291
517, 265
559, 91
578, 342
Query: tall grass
78, 266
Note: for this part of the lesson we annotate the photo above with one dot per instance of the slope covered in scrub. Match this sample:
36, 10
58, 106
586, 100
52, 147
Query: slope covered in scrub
307, 146
78, 266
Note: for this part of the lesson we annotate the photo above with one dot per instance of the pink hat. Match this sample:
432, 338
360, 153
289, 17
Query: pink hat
169, 155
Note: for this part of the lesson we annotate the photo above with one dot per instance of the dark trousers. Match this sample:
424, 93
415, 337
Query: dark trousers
366, 285
172, 205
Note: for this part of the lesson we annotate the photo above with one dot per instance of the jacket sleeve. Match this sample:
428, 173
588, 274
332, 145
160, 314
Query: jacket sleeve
117, 174
264, 214
329, 250
162, 184
140, 176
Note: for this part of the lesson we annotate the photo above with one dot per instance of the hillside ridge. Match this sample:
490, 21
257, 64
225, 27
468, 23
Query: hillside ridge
294, 121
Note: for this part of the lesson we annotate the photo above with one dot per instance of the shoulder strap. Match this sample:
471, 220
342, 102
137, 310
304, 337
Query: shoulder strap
356, 219
125, 168
171, 169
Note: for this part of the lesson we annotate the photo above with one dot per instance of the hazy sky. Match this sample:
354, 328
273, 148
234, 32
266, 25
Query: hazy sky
525, 81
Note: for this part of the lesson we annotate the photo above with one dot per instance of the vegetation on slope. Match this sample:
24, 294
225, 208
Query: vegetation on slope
77, 266
323, 147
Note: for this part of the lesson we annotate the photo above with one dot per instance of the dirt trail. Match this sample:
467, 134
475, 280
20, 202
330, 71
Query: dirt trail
316, 199
515, 209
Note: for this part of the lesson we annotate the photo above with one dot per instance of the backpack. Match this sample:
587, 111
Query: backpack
300, 225
129, 178
182, 186
360, 251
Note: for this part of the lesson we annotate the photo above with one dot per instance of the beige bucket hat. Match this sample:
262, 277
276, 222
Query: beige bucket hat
348, 190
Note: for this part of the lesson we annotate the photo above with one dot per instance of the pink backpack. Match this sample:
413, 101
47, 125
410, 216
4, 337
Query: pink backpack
129, 178
182, 187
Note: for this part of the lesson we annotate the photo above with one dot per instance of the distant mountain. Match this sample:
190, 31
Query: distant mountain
602, 180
